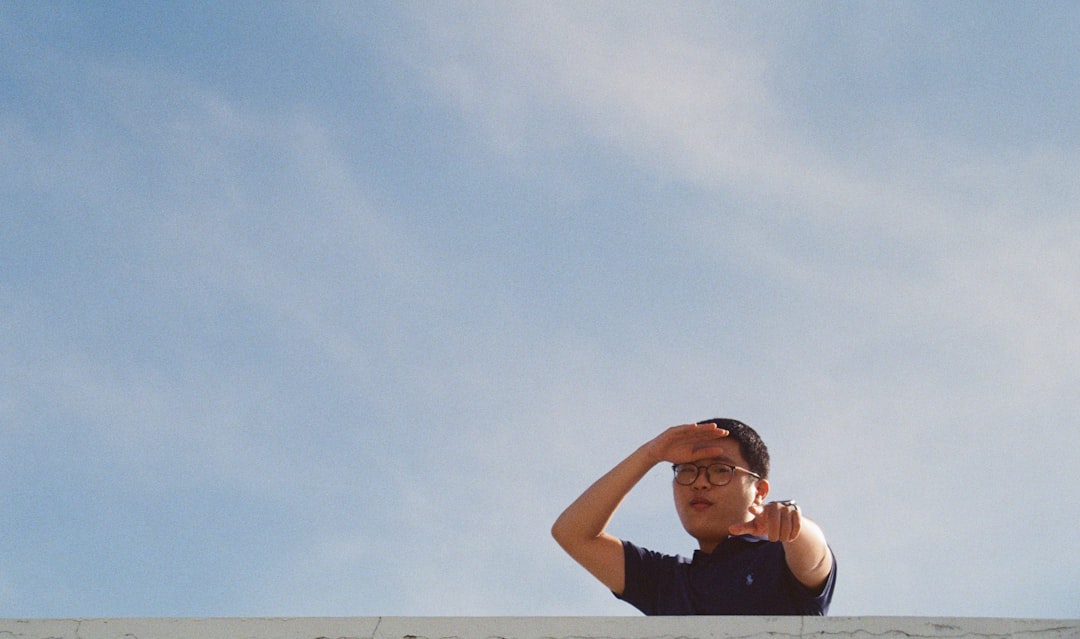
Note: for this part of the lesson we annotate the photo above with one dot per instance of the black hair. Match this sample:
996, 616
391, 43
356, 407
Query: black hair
751, 446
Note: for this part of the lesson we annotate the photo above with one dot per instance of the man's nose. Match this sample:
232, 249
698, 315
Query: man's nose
702, 479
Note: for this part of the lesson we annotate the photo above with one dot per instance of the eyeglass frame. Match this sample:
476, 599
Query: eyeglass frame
698, 468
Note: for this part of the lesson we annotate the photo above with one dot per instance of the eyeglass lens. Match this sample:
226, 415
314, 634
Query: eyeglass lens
717, 474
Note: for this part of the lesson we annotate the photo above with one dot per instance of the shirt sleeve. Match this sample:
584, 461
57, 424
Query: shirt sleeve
645, 570
812, 602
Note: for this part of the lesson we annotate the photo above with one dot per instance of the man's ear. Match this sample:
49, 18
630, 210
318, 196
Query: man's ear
762, 492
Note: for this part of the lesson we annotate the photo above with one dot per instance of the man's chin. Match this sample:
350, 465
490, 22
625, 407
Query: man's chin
701, 531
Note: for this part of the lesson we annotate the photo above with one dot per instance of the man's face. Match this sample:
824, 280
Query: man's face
708, 511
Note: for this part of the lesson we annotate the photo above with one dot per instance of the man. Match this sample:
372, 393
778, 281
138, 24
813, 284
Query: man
754, 557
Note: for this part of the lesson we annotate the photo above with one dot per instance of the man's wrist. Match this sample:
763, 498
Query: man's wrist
647, 455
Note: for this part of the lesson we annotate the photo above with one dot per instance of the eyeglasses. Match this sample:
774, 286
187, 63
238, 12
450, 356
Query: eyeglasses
718, 473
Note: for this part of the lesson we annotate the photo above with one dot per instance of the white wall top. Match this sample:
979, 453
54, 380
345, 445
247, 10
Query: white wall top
542, 628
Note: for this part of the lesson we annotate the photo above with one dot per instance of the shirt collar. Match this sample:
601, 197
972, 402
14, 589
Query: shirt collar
729, 545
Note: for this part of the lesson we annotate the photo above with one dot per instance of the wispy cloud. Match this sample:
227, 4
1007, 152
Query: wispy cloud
397, 325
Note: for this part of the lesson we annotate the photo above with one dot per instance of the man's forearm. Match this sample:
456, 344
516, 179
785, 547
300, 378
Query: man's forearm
588, 516
581, 528
808, 555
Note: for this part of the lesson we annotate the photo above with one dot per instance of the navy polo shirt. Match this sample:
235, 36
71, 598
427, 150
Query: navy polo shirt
745, 575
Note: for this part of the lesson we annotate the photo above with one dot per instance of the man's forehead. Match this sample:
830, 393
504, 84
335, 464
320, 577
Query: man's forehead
714, 458
726, 451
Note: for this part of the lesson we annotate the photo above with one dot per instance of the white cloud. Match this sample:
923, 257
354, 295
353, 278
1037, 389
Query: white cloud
962, 327
427, 404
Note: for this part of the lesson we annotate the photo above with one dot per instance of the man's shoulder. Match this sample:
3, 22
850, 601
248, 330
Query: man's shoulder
633, 551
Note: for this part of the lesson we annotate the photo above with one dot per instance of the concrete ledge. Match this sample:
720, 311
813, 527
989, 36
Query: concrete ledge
540, 628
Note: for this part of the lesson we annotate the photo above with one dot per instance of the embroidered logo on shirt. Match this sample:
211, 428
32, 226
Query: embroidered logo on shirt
749, 580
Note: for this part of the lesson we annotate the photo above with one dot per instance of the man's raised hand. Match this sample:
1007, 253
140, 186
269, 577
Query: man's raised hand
680, 444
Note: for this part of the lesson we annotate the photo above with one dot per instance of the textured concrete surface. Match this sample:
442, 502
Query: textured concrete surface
542, 628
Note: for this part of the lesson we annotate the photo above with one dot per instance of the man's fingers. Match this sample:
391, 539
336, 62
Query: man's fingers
787, 527
680, 443
776, 525
752, 527
779, 521
776, 521
694, 433
785, 521
705, 445
745, 528
706, 432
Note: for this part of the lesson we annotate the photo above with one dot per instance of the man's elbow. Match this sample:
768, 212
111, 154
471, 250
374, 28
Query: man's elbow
570, 536
817, 575
561, 532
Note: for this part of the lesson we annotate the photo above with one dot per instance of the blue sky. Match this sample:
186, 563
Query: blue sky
330, 308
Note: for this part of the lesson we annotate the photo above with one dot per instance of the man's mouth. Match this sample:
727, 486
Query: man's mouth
700, 503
